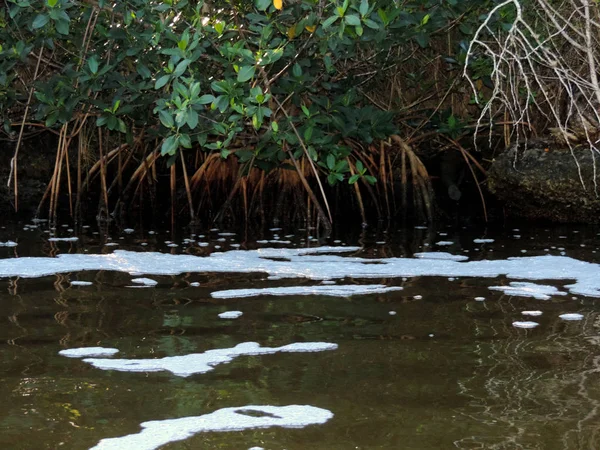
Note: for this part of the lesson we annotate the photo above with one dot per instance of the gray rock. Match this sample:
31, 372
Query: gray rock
543, 181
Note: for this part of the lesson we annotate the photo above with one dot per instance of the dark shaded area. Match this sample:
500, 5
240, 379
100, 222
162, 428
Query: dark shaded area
547, 182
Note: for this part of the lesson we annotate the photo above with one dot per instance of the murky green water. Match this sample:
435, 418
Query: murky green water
446, 371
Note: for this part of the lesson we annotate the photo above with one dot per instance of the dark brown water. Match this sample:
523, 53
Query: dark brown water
446, 371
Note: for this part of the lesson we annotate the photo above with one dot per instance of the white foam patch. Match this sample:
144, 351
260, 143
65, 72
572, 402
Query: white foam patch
441, 256
157, 433
571, 316
81, 283
337, 290
85, 352
483, 241
531, 313
525, 324
519, 289
314, 263
69, 239
230, 314
145, 281
8, 244
444, 243
187, 365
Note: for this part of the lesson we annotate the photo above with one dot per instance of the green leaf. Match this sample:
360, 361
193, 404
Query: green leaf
162, 81
422, 39
219, 86
221, 103
275, 126
206, 99
181, 118
262, 5
52, 3
169, 146
166, 118
341, 166
93, 64
256, 123
330, 161
181, 68
353, 179
359, 167
308, 133
371, 24
297, 70
62, 26
51, 119
143, 71
352, 20
330, 21
185, 141
246, 73
364, 7
194, 89
59, 14
39, 21
192, 119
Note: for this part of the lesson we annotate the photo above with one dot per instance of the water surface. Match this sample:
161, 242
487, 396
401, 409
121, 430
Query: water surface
436, 364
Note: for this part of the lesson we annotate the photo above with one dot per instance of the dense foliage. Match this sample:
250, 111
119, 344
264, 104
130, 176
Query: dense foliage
272, 81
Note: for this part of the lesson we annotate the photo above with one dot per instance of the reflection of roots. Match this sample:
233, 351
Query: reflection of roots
530, 392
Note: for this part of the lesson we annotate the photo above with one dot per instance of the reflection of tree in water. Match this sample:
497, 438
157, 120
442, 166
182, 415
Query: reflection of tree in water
536, 391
